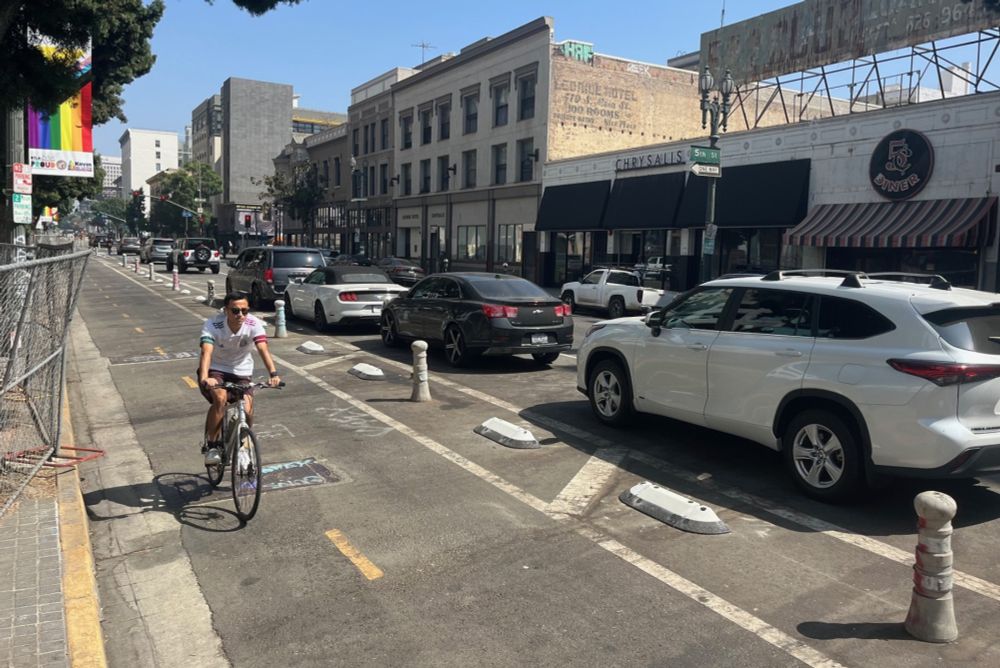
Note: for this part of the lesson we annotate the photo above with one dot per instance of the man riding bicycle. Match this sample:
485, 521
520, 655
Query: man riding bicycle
226, 357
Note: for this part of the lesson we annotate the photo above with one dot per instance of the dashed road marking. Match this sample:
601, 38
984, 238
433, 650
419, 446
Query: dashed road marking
126, 316
140, 330
360, 561
159, 350
190, 382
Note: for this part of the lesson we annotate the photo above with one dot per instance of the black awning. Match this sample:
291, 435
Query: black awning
772, 194
577, 206
644, 202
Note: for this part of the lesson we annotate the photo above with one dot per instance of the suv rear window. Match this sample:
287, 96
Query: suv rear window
848, 319
297, 259
163, 242
969, 328
194, 243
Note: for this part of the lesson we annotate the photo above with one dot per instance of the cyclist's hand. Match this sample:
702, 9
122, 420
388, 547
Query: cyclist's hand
274, 381
209, 383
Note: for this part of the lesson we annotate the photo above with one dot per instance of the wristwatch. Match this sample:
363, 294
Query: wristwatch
274, 374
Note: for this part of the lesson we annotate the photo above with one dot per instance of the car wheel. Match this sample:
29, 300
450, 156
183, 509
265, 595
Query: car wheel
610, 393
256, 302
545, 358
170, 267
215, 269
455, 350
182, 268
823, 455
616, 307
229, 286
389, 331
569, 298
319, 317
289, 311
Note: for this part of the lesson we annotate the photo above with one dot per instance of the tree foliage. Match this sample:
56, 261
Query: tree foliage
63, 191
135, 214
258, 7
113, 207
183, 188
297, 193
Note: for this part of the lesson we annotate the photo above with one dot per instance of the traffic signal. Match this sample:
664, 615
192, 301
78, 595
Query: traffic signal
136, 193
246, 220
164, 198
201, 219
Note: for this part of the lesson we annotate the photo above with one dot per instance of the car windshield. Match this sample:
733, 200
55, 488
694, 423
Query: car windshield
490, 287
296, 259
400, 262
162, 242
130, 240
969, 328
194, 243
367, 276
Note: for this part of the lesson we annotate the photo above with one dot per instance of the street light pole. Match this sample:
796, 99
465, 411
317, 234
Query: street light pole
716, 112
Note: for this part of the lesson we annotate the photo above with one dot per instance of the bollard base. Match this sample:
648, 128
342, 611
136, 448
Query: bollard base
932, 619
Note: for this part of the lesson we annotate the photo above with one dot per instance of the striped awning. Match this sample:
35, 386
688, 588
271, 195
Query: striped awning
932, 223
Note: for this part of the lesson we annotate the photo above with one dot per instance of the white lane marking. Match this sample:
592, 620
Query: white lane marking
328, 361
589, 482
702, 596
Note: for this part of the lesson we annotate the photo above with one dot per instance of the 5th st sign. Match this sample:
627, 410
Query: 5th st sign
706, 155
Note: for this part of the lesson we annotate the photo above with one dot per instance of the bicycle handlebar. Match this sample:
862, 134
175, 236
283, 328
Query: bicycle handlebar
243, 387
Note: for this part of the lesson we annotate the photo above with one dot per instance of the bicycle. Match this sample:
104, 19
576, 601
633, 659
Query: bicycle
240, 449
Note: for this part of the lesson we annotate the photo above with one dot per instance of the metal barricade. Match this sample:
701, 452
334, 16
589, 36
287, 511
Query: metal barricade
37, 300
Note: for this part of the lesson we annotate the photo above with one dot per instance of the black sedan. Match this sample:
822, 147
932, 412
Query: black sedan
401, 270
475, 314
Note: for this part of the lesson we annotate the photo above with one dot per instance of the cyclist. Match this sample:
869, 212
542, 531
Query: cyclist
226, 358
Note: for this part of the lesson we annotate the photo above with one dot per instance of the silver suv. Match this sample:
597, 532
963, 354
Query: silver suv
848, 375
263, 272
199, 253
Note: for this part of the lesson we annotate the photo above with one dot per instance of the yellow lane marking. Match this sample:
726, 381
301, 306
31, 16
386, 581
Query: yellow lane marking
114, 304
190, 382
126, 315
367, 568
107, 296
159, 351
140, 330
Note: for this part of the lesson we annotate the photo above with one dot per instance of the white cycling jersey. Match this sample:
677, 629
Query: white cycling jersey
232, 351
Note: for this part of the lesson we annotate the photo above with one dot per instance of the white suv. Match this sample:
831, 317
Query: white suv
848, 375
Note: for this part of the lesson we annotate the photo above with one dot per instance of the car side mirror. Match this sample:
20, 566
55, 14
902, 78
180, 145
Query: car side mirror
230, 263
299, 281
654, 320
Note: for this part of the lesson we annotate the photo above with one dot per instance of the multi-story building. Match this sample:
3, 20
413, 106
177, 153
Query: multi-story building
308, 122
145, 153
112, 166
329, 153
372, 169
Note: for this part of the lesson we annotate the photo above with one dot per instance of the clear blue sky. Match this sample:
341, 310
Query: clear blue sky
323, 48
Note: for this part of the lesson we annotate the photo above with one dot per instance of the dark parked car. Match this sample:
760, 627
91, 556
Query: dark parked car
264, 272
156, 250
401, 270
473, 314
200, 253
357, 259
130, 246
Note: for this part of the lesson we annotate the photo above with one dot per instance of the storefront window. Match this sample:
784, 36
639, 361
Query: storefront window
509, 243
471, 242
754, 251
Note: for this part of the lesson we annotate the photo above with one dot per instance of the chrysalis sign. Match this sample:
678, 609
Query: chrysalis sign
60, 143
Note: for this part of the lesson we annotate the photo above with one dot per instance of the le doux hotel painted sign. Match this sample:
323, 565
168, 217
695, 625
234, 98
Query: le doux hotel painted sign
901, 165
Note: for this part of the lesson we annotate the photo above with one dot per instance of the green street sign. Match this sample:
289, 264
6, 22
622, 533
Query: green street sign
706, 155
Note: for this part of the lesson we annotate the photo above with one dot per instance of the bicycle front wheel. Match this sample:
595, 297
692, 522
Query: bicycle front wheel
246, 474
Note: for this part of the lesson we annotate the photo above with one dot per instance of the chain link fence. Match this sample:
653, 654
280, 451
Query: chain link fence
37, 298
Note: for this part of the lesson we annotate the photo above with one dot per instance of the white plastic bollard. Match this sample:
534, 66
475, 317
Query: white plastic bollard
152, 275
421, 388
932, 611
210, 295
176, 280
124, 260
280, 332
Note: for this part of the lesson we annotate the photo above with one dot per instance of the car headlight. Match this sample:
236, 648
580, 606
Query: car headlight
594, 328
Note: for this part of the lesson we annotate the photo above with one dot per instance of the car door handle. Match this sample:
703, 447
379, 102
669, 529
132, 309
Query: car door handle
788, 353
698, 346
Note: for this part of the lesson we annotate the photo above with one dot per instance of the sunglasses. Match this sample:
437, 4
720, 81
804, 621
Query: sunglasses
236, 310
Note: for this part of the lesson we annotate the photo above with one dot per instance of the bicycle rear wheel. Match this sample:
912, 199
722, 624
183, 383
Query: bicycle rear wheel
246, 474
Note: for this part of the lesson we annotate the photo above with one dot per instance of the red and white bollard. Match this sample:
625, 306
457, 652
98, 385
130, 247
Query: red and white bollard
136, 267
176, 280
932, 611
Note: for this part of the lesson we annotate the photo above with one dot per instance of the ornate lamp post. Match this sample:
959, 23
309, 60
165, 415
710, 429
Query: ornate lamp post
716, 112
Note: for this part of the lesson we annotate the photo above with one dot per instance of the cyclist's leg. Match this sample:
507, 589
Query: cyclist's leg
217, 398
248, 404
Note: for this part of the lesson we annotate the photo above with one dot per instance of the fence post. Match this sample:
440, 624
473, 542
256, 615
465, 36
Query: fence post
421, 388
931, 617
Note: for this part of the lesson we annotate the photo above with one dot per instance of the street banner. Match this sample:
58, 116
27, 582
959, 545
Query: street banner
61, 143
22, 178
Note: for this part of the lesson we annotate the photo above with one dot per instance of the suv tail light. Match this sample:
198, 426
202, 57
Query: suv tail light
564, 311
499, 311
187, 254
269, 275
638, 295
348, 297
946, 373
215, 253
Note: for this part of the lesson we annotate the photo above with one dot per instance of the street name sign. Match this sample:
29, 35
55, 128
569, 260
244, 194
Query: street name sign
712, 171
706, 155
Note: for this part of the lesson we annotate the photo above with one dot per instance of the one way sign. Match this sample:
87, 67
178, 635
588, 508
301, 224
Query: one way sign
713, 171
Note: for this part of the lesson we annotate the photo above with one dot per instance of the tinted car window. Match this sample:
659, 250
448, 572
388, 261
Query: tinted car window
315, 278
346, 276
295, 259
450, 290
426, 288
975, 328
774, 312
593, 277
163, 242
620, 278
701, 310
848, 319
489, 287
194, 243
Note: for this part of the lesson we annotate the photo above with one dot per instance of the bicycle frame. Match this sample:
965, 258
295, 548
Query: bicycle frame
237, 422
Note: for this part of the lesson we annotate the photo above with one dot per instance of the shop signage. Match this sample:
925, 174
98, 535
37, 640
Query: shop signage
901, 165
650, 160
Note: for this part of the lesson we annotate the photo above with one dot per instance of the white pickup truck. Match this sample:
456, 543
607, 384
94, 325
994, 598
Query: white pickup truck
617, 291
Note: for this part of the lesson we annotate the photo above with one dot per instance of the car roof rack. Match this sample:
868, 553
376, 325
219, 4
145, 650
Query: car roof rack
851, 277
935, 281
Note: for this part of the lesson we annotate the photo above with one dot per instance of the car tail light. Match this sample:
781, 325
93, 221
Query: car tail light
269, 275
946, 373
638, 295
499, 311
215, 253
187, 254
348, 297
564, 311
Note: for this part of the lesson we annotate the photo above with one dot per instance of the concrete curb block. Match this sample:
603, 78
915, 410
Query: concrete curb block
366, 372
507, 434
671, 508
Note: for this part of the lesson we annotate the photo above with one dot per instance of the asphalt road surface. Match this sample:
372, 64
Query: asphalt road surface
391, 534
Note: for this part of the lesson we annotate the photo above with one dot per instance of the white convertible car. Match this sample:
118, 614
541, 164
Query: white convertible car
340, 295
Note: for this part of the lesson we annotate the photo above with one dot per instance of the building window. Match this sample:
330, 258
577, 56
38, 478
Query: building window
385, 134
406, 174
509, 243
425, 176
470, 113
444, 176
501, 98
469, 169
354, 141
444, 121
366, 140
407, 123
370, 185
326, 174
357, 183
526, 159
471, 242
526, 97
157, 143
425, 126
336, 172
157, 155
157, 167
383, 178
500, 164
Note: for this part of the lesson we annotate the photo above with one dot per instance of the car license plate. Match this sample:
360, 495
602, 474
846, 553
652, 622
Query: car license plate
539, 338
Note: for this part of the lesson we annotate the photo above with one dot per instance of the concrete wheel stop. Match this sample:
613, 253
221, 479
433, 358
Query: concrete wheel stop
673, 509
311, 348
366, 372
507, 434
